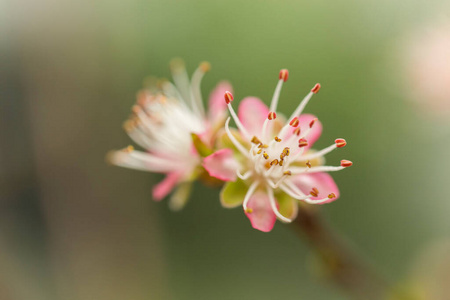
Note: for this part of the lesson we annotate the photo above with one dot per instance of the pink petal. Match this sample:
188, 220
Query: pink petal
252, 113
316, 130
163, 188
322, 181
222, 165
217, 105
262, 217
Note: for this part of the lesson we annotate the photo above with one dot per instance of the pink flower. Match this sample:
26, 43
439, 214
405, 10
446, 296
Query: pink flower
269, 164
171, 124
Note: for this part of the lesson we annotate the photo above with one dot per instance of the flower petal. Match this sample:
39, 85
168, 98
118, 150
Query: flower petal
217, 105
316, 130
163, 188
233, 194
252, 113
222, 165
262, 216
321, 181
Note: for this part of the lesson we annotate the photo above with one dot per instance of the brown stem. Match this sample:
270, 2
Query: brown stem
343, 267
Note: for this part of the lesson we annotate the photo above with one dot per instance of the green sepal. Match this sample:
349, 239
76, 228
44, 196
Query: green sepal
233, 193
202, 149
288, 206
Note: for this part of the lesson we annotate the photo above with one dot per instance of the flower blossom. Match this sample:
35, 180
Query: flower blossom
269, 162
171, 124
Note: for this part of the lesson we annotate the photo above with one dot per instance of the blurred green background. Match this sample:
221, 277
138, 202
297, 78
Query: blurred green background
73, 227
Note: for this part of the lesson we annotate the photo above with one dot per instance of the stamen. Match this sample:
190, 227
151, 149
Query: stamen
297, 131
266, 156
340, 143
294, 122
305, 101
274, 162
181, 78
255, 140
272, 115
283, 77
244, 176
314, 192
233, 139
197, 102
316, 88
346, 163
298, 170
228, 99
311, 124
308, 164
274, 206
302, 143
331, 195
277, 139
249, 193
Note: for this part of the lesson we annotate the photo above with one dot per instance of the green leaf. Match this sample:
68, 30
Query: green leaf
233, 193
202, 149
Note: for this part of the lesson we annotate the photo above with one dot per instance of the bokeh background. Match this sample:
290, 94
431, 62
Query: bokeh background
73, 227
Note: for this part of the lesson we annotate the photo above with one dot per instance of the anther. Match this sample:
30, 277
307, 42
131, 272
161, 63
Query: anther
281, 162
302, 143
205, 66
259, 151
311, 124
340, 143
346, 163
128, 149
255, 140
288, 173
286, 151
277, 139
272, 115
274, 162
228, 97
308, 164
316, 88
266, 156
314, 192
294, 122
284, 74
248, 210
297, 131
332, 195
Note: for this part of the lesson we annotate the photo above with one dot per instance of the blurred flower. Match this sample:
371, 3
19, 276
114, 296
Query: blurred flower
426, 56
269, 162
170, 122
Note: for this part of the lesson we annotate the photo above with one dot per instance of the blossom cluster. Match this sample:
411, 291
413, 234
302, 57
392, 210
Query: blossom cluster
266, 164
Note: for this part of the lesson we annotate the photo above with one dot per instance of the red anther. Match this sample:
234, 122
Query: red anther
312, 122
302, 143
228, 97
297, 131
272, 115
294, 122
331, 195
346, 163
284, 74
314, 192
316, 88
340, 143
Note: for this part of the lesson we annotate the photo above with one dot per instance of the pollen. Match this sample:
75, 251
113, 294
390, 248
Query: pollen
288, 173
346, 163
228, 97
286, 151
284, 75
274, 162
266, 156
255, 140
340, 143
281, 162
302, 143
277, 139
316, 88
294, 122
314, 192
311, 124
